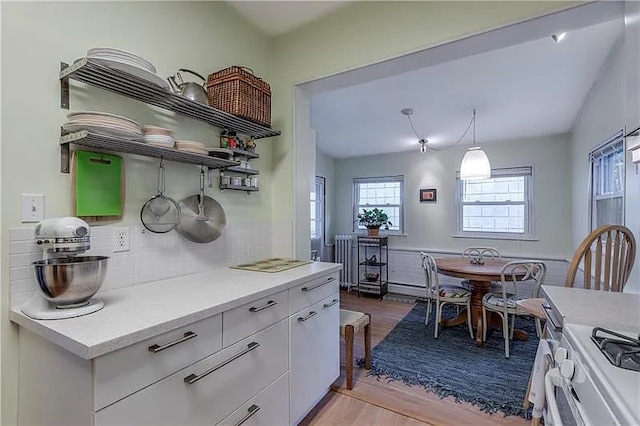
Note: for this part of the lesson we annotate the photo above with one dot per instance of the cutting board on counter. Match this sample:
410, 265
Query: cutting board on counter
97, 186
276, 264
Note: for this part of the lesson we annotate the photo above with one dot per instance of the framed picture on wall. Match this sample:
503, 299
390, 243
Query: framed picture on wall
427, 195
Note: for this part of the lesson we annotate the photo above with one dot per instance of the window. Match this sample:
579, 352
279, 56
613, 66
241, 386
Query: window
385, 193
317, 209
607, 183
499, 207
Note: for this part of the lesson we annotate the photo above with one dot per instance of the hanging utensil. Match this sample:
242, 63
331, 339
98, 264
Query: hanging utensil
203, 218
160, 214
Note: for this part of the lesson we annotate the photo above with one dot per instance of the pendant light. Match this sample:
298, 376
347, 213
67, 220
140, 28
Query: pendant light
475, 163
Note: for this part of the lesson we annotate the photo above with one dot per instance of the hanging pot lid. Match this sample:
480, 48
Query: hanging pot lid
203, 218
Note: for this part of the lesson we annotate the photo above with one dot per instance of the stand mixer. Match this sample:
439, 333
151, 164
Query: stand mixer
66, 281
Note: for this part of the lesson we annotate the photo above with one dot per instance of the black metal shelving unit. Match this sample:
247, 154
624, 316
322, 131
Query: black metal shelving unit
367, 247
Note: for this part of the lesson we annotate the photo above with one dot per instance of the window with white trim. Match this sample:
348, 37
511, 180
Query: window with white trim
317, 209
498, 207
607, 183
385, 193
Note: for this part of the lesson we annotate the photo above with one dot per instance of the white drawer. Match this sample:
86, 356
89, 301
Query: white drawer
269, 408
209, 390
248, 319
306, 294
129, 369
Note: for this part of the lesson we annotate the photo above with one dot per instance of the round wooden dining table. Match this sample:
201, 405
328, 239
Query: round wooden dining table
480, 277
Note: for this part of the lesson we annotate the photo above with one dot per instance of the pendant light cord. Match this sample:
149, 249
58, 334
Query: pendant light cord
426, 143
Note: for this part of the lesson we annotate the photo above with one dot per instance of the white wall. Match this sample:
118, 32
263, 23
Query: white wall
361, 34
430, 225
36, 36
602, 115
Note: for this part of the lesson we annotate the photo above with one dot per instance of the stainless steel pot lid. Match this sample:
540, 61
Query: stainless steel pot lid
160, 214
203, 218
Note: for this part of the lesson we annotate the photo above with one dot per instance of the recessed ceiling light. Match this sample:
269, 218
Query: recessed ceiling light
558, 37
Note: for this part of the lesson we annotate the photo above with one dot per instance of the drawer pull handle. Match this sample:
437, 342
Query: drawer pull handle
192, 378
269, 304
311, 314
313, 287
330, 304
187, 336
250, 412
547, 311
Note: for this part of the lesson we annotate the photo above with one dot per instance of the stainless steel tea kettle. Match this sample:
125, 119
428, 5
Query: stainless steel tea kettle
194, 91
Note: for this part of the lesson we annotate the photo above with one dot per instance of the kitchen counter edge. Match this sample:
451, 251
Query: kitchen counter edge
72, 336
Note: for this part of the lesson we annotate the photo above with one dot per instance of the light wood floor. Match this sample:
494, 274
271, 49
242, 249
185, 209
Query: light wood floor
376, 402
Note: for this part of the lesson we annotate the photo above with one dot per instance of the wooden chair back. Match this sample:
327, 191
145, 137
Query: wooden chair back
606, 255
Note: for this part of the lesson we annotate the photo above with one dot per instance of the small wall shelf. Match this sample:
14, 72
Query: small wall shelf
246, 172
242, 170
115, 144
95, 74
240, 188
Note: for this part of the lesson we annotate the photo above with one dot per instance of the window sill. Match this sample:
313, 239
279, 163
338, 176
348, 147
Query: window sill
382, 234
495, 237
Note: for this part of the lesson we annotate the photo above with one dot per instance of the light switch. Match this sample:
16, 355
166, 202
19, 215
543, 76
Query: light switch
32, 207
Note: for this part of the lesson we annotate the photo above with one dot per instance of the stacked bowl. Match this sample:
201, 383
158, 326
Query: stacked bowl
158, 136
191, 146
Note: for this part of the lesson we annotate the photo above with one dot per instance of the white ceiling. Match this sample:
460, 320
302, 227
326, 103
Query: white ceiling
279, 17
525, 90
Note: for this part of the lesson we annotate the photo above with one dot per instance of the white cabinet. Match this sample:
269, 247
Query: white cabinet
315, 357
209, 390
260, 363
122, 372
269, 408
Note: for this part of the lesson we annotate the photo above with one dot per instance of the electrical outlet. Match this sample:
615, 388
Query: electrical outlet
121, 240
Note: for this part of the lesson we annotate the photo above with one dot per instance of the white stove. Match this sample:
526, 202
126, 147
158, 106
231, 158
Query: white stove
606, 394
581, 385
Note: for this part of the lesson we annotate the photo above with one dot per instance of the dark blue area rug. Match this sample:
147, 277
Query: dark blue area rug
453, 365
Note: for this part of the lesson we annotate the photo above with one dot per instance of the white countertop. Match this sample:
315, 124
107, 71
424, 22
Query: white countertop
136, 313
618, 311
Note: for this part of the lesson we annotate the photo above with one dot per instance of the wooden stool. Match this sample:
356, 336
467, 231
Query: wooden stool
350, 323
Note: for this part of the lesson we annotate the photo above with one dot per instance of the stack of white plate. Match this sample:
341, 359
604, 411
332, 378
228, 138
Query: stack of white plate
127, 62
158, 136
191, 146
103, 123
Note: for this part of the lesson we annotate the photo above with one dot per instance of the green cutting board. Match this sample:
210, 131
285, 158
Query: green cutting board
98, 184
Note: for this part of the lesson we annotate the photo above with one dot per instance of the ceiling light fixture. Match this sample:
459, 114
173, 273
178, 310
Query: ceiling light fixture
424, 142
475, 163
558, 37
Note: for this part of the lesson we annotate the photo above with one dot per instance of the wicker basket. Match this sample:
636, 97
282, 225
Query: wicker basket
238, 91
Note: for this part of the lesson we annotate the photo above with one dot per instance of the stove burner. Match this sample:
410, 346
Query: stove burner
623, 352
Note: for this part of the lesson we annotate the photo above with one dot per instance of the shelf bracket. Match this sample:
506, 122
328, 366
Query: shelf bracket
64, 88
64, 157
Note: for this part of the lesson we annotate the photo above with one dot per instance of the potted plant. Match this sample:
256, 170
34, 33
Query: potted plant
373, 220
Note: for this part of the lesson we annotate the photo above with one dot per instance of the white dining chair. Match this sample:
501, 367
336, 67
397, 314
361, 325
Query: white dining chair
442, 294
519, 280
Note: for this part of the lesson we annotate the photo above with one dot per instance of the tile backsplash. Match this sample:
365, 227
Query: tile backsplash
152, 256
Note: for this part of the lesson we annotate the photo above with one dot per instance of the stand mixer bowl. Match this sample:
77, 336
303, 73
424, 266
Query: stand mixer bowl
71, 281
